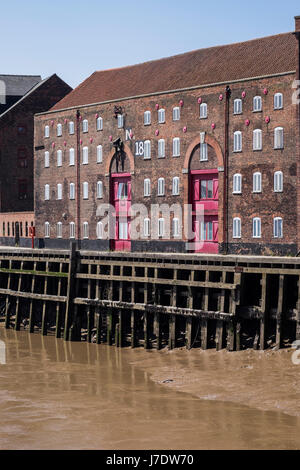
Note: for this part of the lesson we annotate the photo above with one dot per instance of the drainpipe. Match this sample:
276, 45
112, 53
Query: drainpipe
225, 186
78, 179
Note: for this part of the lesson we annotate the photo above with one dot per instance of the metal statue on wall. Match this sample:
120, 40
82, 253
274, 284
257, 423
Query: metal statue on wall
119, 154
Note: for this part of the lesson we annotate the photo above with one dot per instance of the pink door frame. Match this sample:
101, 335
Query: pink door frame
122, 208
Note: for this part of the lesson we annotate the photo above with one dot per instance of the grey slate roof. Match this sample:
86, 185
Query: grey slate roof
18, 85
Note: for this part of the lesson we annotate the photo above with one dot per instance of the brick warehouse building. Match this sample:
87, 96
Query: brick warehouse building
215, 127
25, 95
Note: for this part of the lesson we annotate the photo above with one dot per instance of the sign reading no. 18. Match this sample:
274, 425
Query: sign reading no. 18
139, 148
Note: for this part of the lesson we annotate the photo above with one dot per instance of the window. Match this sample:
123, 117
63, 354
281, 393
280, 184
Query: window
47, 192
175, 227
175, 186
47, 131
257, 182
59, 230
237, 141
147, 149
99, 230
47, 230
59, 157
122, 191
278, 138
278, 101
120, 121
85, 190
123, 230
99, 153
99, 124
277, 227
8, 229
203, 152
147, 118
26, 229
176, 147
85, 155
71, 157
278, 181
203, 111
146, 227
161, 227
236, 228
72, 229
237, 106
161, 187
207, 189
71, 127
206, 231
85, 125
99, 189
72, 191
161, 116
85, 230
237, 183
59, 130
22, 130
257, 139
161, 148
257, 103
147, 187
47, 160
59, 191
22, 189
22, 158
256, 226
176, 113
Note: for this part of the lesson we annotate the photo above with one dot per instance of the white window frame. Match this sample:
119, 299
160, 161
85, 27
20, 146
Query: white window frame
99, 124
161, 186
257, 104
99, 189
47, 159
257, 139
237, 183
47, 229
72, 191
85, 155
237, 106
278, 138
203, 152
175, 186
176, 113
237, 141
146, 227
257, 182
71, 157
278, 181
120, 121
256, 227
203, 111
59, 158
278, 101
47, 192
236, 227
59, 130
59, 191
147, 187
85, 126
99, 230
147, 150
175, 227
161, 148
47, 132
85, 230
147, 118
161, 227
71, 128
85, 190
59, 230
72, 229
176, 147
161, 116
99, 154
277, 227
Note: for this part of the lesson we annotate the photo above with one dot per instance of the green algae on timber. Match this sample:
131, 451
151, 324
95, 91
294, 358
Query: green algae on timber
32, 272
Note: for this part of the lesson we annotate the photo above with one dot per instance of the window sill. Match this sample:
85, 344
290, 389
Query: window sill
256, 192
204, 117
257, 111
237, 192
237, 151
175, 156
257, 150
278, 109
278, 148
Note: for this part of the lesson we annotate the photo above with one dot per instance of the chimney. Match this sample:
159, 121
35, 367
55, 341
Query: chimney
297, 24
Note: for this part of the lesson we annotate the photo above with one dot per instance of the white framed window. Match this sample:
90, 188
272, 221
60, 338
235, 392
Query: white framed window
99, 154
278, 101
175, 227
257, 182
236, 227
256, 227
237, 183
120, 121
59, 130
147, 187
237, 106
47, 160
71, 157
99, 189
147, 227
72, 191
278, 181
203, 110
257, 139
85, 125
59, 157
147, 149
277, 227
47, 131
161, 148
71, 127
99, 124
59, 230
85, 155
85, 190
85, 230
176, 113
161, 227
257, 105
99, 230
176, 147
237, 141
47, 229
161, 116
147, 118
59, 191
72, 229
47, 192
161, 187
175, 186
278, 138
203, 152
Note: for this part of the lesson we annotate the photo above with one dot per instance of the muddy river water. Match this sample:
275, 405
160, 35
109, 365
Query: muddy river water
58, 395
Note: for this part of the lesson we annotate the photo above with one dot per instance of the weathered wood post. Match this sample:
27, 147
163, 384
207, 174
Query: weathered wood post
70, 291
7, 300
279, 312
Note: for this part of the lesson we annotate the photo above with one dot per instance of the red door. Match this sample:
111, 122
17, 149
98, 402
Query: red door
121, 199
204, 197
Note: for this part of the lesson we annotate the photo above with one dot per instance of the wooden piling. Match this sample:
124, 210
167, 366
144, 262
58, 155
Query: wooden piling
219, 335
188, 332
157, 330
133, 329
70, 291
18, 300
98, 326
146, 330
279, 312
204, 334
44, 311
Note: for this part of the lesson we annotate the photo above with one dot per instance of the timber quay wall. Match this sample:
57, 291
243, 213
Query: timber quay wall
152, 300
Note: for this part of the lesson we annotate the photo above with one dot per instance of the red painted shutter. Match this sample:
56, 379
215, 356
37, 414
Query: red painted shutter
128, 234
216, 188
116, 185
215, 231
196, 190
129, 191
117, 230
196, 230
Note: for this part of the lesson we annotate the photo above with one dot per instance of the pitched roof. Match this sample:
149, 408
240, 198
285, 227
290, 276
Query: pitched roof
266, 56
18, 85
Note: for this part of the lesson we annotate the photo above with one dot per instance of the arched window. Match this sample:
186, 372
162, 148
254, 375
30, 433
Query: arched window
257, 182
203, 152
85, 155
85, 230
176, 113
237, 183
278, 181
59, 230
120, 121
176, 147
47, 160
72, 191
161, 148
99, 153
147, 118
59, 191
257, 106
278, 101
99, 230
146, 227
161, 116
203, 110
147, 149
161, 227
236, 228
147, 188
47, 230
59, 130
237, 141
71, 127
257, 139
237, 106
71, 157
278, 138
161, 187
47, 192
85, 125
59, 157
175, 227
85, 190
99, 124
99, 189
72, 229
256, 227
175, 186
277, 227
47, 131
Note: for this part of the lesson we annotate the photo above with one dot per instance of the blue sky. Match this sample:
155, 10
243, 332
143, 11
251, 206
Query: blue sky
74, 38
